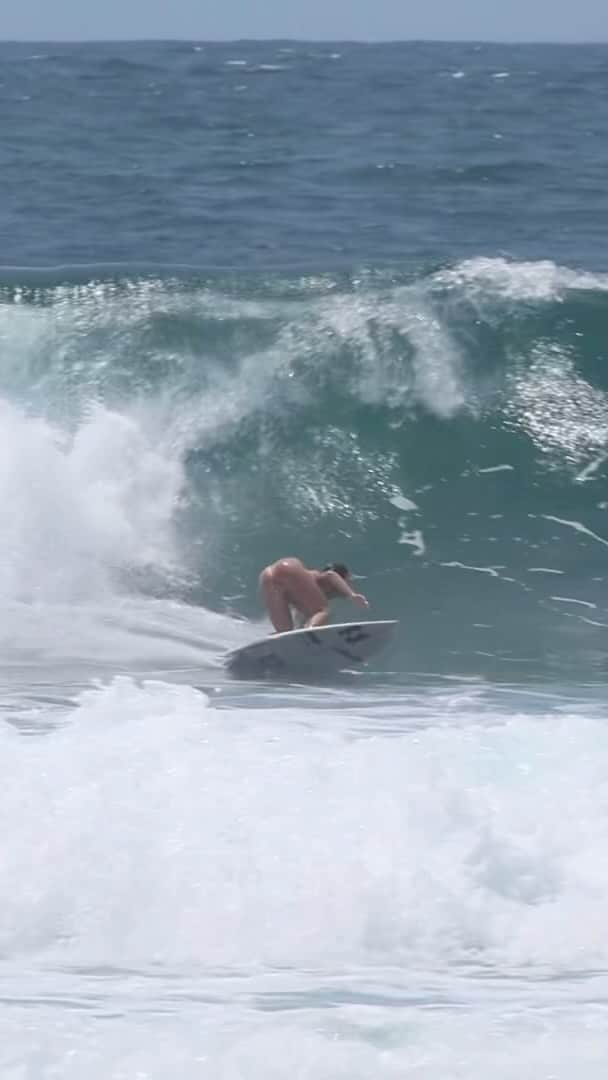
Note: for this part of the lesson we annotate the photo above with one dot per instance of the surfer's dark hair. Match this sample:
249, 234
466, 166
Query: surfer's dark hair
338, 568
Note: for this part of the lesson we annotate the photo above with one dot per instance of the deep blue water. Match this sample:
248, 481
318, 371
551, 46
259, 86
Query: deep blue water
346, 302
279, 155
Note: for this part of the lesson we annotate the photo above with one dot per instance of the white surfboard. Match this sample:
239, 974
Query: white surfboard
339, 645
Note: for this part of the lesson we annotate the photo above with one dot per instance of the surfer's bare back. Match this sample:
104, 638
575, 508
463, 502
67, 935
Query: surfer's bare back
288, 584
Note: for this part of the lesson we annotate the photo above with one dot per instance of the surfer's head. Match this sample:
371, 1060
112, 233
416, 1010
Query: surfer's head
338, 568
327, 583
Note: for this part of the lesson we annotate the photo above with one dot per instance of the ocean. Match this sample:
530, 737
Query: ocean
347, 302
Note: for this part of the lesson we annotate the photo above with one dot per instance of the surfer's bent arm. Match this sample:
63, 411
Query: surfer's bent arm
342, 588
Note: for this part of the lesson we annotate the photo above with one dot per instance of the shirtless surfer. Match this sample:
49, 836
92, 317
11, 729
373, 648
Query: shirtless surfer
288, 584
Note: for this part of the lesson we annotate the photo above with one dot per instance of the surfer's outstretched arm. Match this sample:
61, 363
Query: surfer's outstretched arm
342, 588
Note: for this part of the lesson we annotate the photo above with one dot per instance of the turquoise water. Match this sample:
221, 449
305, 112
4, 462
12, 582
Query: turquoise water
346, 302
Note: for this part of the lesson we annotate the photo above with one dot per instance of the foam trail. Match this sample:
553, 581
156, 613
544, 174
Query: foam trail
496, 468
572, 600
492, 570
578, 527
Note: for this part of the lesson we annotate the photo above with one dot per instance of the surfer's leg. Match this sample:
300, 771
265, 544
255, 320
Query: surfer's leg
275, 598
302, 590
320, 619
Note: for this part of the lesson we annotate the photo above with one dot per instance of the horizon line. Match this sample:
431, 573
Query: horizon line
298, 41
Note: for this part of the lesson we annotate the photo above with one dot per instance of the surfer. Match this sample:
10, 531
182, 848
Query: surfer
288, 584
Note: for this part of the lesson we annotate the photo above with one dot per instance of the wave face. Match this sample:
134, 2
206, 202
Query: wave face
445, 434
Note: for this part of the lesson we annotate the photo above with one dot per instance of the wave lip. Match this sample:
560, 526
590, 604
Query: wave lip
541, 280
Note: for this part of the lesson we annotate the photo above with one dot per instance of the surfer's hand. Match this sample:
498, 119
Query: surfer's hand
360, 600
